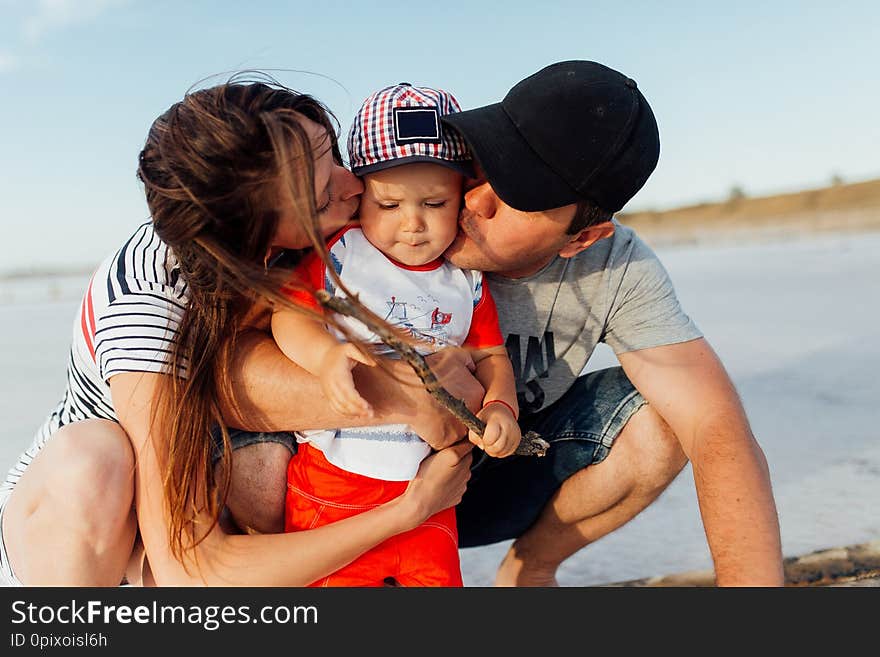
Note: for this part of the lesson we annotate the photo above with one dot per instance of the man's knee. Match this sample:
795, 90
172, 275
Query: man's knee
654, 448
258, 486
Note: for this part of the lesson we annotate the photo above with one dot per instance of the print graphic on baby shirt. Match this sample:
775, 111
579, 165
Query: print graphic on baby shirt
423, 324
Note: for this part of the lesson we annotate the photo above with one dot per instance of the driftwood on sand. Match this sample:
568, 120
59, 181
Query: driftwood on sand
531, 443
852, 565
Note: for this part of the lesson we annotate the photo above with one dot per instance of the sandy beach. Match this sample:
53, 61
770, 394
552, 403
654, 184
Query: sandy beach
794, 321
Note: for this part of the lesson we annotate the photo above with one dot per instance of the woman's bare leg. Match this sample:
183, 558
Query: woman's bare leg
70, 519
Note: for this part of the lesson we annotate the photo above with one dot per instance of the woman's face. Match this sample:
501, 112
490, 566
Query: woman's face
337, 194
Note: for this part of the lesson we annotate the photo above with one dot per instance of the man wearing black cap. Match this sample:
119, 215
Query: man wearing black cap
565, 149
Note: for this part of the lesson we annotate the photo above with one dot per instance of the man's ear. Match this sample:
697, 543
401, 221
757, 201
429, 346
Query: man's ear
587, 237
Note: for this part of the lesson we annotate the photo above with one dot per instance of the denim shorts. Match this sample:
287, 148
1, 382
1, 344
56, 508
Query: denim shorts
240, 438
505, 496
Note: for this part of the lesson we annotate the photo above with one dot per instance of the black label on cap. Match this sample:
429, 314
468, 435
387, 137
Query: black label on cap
420, 124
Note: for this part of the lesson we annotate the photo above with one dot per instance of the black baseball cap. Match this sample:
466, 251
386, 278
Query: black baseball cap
575, 130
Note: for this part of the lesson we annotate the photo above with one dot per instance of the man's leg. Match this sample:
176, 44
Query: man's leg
645, 459
611, 455
258, 484
70, 519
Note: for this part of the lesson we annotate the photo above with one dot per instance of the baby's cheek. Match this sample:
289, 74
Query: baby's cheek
370, 225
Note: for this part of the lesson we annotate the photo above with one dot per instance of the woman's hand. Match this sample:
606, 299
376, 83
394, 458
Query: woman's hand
440, 482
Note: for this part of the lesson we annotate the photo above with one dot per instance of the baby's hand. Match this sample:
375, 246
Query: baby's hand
338, 383
502, 434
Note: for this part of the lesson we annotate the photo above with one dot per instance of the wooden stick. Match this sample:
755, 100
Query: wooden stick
531, 443
832, 567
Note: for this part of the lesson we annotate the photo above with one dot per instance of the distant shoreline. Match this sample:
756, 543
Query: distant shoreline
47, 272
853, 207
847, 208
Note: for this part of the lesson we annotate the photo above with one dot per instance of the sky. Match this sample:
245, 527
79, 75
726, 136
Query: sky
770, 97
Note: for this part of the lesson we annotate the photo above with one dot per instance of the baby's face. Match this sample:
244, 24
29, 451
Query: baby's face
410, 212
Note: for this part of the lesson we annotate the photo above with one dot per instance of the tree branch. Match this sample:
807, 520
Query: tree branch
531, 443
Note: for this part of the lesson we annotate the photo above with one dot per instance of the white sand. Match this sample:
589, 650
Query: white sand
796, 324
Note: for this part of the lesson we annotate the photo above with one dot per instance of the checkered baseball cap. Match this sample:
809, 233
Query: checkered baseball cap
400, 124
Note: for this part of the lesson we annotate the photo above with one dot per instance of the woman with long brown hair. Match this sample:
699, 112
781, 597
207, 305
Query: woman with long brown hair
167, 348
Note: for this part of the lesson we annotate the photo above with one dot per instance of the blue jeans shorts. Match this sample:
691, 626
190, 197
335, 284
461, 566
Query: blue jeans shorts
240, 438
505, 496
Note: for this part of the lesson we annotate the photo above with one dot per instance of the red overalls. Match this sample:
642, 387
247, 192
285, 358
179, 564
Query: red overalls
424, 556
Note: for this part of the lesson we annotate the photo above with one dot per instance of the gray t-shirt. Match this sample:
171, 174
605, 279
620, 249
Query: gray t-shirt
616, 292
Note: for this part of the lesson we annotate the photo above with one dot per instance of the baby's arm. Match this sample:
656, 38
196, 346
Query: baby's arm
500, 409
306, 341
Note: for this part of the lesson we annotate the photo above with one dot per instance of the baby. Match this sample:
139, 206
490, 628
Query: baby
413, 173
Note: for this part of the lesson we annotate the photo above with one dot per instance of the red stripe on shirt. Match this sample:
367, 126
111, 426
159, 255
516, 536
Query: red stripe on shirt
485, 331
87, 313
311, 271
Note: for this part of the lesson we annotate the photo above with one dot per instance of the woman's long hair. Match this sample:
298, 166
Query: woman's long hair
215, 168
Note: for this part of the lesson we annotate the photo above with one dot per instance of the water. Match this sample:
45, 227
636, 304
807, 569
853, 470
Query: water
795, 324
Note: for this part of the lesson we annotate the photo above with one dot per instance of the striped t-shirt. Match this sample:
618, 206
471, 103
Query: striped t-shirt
126, 322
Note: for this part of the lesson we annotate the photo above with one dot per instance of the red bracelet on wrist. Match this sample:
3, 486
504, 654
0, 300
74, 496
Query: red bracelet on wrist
501, 401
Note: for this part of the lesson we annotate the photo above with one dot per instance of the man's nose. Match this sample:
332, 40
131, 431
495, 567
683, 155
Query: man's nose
481, 200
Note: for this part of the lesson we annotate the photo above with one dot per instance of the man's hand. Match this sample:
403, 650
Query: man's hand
454, 369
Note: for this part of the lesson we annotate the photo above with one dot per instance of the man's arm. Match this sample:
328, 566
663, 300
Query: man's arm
689, 387
274, 394
288, 559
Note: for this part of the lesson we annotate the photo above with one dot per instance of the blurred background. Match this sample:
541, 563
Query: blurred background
765, 206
